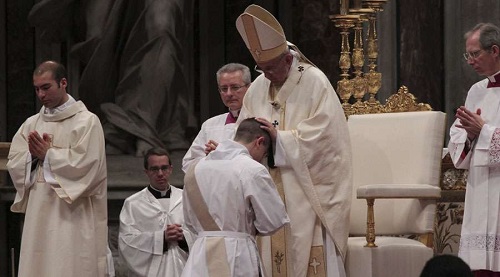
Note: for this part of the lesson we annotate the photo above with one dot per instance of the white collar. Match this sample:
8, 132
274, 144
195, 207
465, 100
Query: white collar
492, 77
62, 107
162, 192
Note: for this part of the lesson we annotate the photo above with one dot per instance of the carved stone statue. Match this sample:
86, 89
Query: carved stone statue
133, 55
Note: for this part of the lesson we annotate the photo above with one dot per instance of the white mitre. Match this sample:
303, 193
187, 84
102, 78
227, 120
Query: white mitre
262, 33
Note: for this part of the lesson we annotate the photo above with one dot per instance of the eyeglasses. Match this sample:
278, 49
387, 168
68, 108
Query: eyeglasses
270, 69
473, 55
156, 169
232, 88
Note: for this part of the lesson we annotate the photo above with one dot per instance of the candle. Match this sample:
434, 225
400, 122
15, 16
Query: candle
344, 7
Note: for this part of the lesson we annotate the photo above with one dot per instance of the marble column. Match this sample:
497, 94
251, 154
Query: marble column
421, 50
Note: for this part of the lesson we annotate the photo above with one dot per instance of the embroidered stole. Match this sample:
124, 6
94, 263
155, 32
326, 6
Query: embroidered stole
215, 246
280, 252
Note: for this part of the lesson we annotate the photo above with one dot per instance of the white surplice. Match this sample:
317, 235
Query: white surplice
243, 201
214, 128
480, 235
143, 220
65, 198
313, 156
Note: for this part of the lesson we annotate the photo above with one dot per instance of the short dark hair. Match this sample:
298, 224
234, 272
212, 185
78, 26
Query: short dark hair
250, 129
156, 151
446, 266
58, 70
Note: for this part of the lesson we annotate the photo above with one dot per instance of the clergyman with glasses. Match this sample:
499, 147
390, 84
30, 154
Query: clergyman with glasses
312, 152
152, 240
233, 80
475, 145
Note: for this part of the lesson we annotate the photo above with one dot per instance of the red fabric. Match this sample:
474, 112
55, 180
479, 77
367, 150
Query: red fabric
495, 84
485, 273
465, 152
230, 118
463, 155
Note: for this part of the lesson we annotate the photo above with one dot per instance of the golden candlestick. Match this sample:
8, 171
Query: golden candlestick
373, 77
344, 7
358, 58
344, 85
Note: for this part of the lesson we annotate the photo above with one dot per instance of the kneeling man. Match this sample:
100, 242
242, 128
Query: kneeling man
229, 198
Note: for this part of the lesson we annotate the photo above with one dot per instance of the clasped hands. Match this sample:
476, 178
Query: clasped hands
38, 145
174, 233
471, 122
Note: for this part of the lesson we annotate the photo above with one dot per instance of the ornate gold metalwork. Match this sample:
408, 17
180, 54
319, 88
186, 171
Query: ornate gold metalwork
316, 262
404, 101
344, 89
427, 239
358, 56
369, 82
344, 85
375, 5
370, 224
374, 78
452, 178
358, 60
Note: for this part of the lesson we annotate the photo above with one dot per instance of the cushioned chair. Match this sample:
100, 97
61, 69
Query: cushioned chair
396, 160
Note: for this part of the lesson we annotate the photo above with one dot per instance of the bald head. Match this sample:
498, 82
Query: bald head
58, 71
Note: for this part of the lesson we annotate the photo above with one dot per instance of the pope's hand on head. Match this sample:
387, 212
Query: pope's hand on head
269, 127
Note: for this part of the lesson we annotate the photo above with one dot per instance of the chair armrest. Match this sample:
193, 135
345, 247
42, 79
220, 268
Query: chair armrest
381, 191
419, 191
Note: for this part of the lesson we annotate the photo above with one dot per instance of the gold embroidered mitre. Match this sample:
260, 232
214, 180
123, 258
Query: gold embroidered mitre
262, 33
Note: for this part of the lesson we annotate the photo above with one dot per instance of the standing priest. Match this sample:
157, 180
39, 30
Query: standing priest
58, 166
312, 151
475, 145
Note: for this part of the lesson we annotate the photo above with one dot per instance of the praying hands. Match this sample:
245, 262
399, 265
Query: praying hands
471, 122
37, 145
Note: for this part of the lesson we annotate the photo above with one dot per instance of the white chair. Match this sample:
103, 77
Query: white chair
396, 160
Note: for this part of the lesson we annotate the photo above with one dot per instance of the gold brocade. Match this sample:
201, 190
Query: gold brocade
278, 240
273, 90
317, 262
216, 247
279, 250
